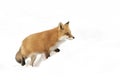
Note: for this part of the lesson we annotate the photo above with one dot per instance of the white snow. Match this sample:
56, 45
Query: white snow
94, 54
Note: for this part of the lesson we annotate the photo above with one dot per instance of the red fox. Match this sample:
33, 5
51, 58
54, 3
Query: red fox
43, 43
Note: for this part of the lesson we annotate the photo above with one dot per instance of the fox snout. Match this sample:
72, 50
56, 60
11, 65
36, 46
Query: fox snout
71, 38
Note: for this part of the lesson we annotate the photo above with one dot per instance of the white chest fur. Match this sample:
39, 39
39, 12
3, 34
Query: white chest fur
61, 40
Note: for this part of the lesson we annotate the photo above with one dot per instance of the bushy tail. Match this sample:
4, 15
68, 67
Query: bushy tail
19, 58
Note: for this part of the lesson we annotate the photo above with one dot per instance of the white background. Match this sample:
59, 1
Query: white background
94, 54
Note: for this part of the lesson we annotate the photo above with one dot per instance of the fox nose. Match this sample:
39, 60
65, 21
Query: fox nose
73, 37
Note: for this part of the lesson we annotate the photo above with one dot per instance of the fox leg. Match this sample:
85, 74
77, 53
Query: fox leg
39, 59
33, 58
23, 62
54, 51
57, 50
47, 55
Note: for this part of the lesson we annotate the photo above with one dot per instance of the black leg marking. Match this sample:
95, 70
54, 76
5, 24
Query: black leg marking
23, 62
47, 55
57, 50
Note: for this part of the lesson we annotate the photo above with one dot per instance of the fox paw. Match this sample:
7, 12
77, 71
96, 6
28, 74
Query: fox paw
57, 50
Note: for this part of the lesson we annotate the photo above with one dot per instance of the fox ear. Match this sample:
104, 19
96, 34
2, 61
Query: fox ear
61, 26
67, 22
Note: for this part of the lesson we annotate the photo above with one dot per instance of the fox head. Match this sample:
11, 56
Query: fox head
64, 31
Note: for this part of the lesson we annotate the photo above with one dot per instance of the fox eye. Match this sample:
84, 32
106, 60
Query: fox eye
67, 33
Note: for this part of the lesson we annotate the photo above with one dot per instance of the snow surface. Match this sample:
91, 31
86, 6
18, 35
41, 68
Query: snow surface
94, 54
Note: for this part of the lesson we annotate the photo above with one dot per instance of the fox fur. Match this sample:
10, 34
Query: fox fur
43, 43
